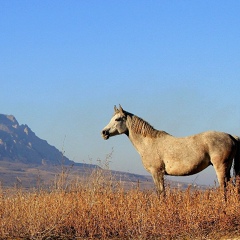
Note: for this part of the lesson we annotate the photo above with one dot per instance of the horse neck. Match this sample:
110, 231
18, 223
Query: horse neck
141, 133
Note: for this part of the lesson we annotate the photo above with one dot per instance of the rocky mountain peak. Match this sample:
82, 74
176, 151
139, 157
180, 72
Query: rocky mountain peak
18, 143
8, 120
8, 123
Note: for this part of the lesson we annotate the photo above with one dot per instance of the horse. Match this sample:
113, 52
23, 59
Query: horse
163, 154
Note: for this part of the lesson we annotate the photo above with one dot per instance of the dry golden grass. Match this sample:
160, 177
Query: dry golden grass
100, 208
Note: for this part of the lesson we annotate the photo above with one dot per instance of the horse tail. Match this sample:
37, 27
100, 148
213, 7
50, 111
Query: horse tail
236, 166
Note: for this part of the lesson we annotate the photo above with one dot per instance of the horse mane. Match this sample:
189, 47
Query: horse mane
142, 127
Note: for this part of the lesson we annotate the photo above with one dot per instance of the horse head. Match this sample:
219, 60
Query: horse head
117, 124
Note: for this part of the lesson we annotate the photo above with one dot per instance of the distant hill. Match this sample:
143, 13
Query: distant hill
24, 156
18, 143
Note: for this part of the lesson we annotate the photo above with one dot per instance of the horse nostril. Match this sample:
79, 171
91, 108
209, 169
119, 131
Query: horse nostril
104, 132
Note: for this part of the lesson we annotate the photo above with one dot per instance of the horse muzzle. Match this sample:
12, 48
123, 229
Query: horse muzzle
105, 134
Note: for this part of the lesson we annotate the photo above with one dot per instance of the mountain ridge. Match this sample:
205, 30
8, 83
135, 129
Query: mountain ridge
18, 143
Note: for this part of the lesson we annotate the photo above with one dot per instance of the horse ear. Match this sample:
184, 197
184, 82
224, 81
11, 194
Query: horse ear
115, 108
120, 108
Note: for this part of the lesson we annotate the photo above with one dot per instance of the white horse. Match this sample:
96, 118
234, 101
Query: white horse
163, 154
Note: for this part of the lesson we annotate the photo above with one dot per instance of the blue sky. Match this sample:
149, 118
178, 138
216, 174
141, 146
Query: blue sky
65, 64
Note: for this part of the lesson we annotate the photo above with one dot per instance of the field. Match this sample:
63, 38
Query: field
100, 207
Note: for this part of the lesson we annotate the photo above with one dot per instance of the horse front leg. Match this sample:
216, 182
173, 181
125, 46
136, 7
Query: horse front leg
158, 178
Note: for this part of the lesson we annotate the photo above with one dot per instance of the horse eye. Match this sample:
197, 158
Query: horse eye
118, 119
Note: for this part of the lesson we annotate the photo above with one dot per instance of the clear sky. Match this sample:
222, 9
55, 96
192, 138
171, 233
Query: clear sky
65, 64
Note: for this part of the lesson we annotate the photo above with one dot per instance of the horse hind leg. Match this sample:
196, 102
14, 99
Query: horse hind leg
223, 174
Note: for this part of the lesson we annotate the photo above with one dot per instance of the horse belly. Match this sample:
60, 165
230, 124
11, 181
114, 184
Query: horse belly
185, 168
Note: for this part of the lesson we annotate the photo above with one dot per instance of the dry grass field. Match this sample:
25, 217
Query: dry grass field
100, 208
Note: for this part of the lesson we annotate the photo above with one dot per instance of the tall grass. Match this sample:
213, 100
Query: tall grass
99, 207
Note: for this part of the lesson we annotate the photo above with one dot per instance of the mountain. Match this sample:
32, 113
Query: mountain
25, 158
18, 143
